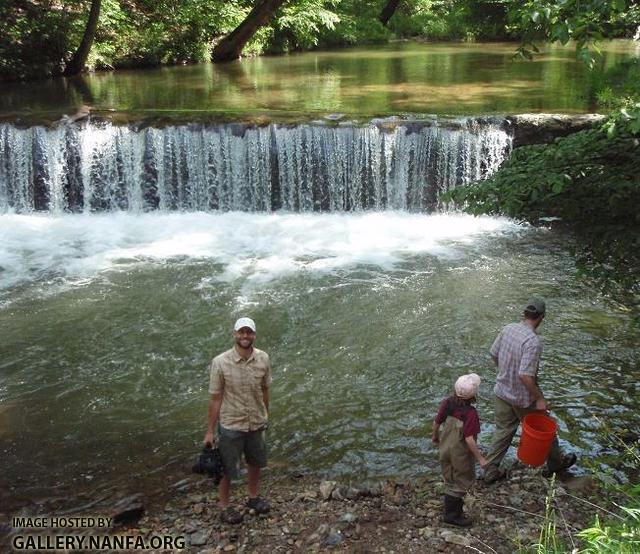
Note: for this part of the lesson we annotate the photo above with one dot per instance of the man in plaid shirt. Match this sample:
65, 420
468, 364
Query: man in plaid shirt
516, 351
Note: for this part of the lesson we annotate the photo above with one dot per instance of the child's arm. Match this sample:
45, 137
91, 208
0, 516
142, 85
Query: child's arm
435, 436
471, 443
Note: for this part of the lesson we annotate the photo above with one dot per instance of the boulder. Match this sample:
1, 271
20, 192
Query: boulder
545, 128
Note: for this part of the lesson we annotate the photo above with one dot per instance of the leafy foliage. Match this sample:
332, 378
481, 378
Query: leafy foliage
585, 23
300, 25
584, 178
37, 37
589, 180
618, 537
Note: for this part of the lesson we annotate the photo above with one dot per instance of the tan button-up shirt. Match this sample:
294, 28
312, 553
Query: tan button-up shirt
242, 384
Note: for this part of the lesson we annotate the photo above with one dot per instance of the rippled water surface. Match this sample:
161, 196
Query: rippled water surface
108, 323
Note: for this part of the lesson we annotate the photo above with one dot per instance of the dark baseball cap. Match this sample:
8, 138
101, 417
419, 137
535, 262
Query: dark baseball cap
536, 305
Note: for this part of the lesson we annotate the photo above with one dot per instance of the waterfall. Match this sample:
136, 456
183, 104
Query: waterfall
308, 167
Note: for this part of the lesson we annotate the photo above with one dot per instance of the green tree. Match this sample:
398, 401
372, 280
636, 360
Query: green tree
231, 46
584, 22
388, 10
299, 25
34, 38
79, 58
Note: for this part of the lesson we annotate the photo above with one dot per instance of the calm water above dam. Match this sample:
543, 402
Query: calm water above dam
446, 78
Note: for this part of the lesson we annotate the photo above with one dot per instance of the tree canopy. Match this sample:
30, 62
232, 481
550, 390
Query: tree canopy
40, 38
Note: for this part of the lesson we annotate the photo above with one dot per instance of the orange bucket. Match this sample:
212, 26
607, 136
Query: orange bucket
538, 432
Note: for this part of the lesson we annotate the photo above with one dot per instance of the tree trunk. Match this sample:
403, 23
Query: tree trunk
76, 64
230, 47
387, 12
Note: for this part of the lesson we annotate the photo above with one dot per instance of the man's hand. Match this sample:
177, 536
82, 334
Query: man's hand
541, 404
435, 438
209, 438
532, 387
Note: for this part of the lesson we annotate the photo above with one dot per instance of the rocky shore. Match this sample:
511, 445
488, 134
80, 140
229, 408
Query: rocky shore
308, 515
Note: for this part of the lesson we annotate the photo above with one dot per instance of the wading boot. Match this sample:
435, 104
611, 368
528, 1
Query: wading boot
453, 514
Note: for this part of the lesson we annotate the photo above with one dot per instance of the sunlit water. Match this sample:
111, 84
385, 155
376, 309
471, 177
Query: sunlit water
108, 323
442, 78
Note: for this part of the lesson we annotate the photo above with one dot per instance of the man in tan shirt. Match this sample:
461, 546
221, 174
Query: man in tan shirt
239, 381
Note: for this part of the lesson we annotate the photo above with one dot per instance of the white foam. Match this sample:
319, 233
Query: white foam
255, 247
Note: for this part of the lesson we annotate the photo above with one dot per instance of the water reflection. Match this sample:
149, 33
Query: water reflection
428, 78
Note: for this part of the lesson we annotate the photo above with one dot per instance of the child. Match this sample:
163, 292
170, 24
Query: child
457, 445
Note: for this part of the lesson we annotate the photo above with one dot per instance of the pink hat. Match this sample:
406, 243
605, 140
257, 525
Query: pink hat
467, 385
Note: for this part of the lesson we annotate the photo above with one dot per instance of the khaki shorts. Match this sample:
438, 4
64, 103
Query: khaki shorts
234, 443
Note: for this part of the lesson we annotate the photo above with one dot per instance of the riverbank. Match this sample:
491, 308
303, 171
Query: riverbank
309, 515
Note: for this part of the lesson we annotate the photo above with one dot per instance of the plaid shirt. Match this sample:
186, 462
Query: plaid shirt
518, 350
242, 384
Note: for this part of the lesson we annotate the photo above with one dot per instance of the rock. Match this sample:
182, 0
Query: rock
199, 538
545, 128
198, 508
373, 491
320, 532
454, 538
351, 493
181, 484
334, 538
584, 483
127, 510
229, 548
427, 532
191, 526
306, 496
348, 518
326, 488
420, 523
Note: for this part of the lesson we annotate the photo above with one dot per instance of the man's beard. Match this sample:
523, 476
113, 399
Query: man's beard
240, 341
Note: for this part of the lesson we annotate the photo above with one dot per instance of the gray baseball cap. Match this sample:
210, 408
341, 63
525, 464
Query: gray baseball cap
537, 305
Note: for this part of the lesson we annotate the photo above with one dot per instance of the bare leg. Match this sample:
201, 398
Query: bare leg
223, 493
253, 478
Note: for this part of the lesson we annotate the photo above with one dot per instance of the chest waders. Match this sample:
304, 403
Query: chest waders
458, 471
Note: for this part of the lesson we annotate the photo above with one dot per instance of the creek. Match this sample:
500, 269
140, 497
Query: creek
127, 252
